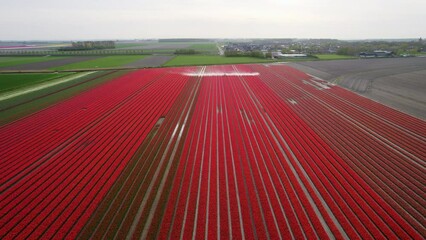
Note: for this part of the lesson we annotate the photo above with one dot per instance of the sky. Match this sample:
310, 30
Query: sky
142, 19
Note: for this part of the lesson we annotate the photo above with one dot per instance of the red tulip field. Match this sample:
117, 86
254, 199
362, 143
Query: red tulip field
256, 151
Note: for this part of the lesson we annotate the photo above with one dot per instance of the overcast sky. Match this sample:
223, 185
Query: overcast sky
129, 19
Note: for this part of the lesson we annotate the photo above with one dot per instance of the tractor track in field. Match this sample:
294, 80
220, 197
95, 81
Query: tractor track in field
143, 167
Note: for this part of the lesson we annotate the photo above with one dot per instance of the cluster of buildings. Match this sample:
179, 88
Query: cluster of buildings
284, 47
246, 47
267, 45
300, 48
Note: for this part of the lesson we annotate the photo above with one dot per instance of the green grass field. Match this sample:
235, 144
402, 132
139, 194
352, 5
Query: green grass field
211, 60
105, 62
333, 57
13, 81
13, 61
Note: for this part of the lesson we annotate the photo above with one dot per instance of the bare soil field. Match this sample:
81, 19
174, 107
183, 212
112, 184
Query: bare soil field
396, 82
49, 64
151, 61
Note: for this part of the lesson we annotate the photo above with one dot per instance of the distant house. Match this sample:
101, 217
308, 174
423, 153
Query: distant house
376, 54
367, 55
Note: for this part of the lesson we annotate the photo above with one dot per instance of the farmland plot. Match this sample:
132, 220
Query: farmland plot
236, 151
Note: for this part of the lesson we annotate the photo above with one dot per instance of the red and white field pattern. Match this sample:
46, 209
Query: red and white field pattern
237, 151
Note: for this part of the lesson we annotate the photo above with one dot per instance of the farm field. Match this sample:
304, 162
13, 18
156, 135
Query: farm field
19, 106
128, 45
211, 60
103, 62
151, 61
205, 48
13, 61
396, 82
13, 81
46, 65
232, 151
161, 45
169, 47
31, 46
